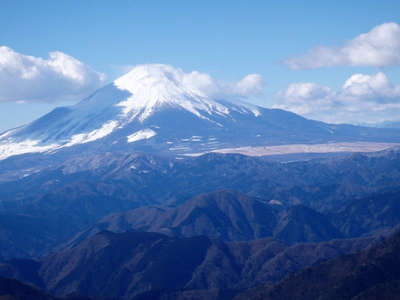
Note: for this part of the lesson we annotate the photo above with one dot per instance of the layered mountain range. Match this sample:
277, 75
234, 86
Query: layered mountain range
224, 215
49, 207
119, 197
371, 274
141, 265
127, 264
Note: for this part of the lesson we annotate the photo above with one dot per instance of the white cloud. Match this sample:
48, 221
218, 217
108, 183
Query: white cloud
379, 47
200, 83
305, 98
252, 84
362, 98
373, 87
59, 77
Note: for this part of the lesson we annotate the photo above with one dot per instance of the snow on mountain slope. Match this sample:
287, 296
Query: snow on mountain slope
153, 86
141, 135
163, 109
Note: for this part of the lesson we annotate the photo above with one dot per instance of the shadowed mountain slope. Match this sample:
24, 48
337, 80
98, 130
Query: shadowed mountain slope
371, 274
132, 264
64, 200
226, 215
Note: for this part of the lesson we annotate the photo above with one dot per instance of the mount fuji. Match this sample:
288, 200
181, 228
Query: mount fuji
157, 109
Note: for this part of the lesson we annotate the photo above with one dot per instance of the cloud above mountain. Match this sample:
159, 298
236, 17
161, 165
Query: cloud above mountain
196, 82
59, 77
362, 98
204, 84
379, 47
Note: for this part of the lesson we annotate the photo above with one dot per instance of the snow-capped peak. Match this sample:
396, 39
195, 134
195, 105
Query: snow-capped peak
155, 85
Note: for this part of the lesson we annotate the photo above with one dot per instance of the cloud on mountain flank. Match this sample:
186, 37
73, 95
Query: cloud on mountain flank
362, 98
379, 47
198, 82
59, 77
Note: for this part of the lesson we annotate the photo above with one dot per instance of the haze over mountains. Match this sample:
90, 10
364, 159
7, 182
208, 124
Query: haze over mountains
118, 197
261, 161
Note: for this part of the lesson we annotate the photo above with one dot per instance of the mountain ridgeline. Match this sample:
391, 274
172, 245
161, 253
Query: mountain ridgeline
145, 265
371, 274
49, 207
224, 215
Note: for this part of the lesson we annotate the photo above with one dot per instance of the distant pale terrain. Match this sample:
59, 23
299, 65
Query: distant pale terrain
304, 148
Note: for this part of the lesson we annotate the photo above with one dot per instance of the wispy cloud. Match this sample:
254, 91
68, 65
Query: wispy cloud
379, 47
203, 83
59, 77
362, 98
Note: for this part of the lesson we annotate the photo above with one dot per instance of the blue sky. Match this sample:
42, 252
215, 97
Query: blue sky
226, 39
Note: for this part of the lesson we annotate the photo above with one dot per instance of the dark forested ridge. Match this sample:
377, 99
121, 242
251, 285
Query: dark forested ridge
127, 265
64, 200
371, 274
138, 226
